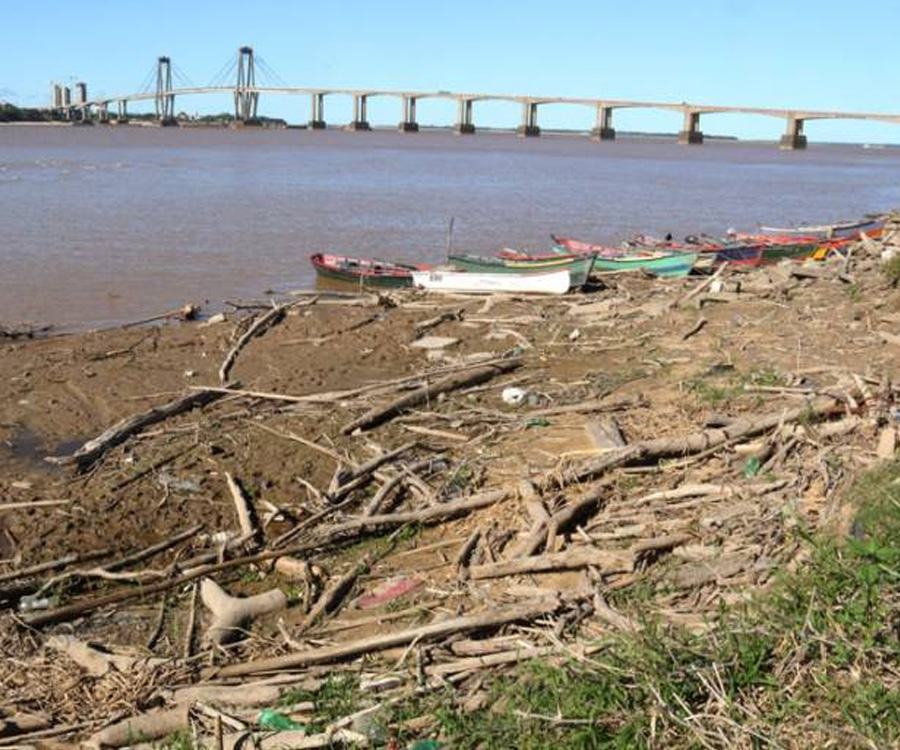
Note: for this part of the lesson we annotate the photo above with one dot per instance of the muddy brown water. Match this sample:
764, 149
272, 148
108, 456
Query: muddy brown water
106, 225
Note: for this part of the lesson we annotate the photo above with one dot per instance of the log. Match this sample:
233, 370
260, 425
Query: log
232, 613
686, 445
92, 450
153, 725
430, 514
259, 326
620, 561
560, 521
493, 618
424, 394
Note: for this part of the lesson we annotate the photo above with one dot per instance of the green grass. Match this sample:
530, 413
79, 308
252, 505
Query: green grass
718, 388
810, 662
892, 271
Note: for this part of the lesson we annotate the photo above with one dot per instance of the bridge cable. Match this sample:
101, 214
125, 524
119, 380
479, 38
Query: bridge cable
269, 74
225, 74
181, 78
149, 81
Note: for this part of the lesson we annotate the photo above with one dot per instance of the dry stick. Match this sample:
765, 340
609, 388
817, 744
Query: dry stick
258, 327
377, 416
369, 466
242, 506
448, 510
32, 504
561, 520
92, 450
425, 515
617, 561
705, 284
688, 444
334, 595
331, 397
694, 329
192, 622
153, 549
302, 440
375, 503
525, 611
587, 406
61, 562
465, 554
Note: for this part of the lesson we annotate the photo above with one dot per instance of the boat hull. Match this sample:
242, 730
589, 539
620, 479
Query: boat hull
579, 267
553, 282
361, 272
665, 265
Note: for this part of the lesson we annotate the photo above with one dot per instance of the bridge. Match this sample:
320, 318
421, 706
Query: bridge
246, 94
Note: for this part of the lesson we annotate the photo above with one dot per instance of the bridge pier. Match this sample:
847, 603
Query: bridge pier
103, 112
793, 138
408, 124
360, 122
604, 130
529, 126
464, 124
316, 112
690, 133
121, 111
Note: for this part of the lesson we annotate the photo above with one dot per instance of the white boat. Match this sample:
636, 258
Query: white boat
553, 282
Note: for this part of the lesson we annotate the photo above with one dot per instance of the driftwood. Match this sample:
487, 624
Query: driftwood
244, 512
153, 725
93, 660
259, 326
617, 561
77, 609
422, 395
687, 445
231, 613
521, 612
92, 450
431, 514
333, 595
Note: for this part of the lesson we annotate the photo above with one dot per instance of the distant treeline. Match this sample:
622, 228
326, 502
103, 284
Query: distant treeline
12, 113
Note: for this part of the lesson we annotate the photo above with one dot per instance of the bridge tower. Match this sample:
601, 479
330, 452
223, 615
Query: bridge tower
165, 99
245, 98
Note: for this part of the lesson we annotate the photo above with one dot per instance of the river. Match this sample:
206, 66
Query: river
105, 225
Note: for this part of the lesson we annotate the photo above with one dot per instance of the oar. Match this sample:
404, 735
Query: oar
450, 236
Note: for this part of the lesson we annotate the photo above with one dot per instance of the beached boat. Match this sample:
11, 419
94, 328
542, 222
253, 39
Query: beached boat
552, 282
659, 263
578, 266
736, 253
871, 225
363, 271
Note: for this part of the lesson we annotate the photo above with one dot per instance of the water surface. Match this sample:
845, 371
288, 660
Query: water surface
102, 225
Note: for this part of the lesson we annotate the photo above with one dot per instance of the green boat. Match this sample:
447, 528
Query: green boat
363, 271
659, 264
779, 251
578, 266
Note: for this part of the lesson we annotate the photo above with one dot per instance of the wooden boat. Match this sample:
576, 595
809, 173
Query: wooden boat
363, 271
659, 263
871, 225
551, 282
578, 266
736, 253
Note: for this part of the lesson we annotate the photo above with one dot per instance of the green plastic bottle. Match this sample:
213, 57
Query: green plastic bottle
271, 719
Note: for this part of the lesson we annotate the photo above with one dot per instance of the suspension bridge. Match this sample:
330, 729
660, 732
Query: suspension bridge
239, 78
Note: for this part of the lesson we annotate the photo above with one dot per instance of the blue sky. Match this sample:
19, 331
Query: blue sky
800, 54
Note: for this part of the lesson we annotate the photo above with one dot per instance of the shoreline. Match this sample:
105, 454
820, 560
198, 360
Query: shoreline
460, 428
